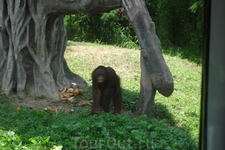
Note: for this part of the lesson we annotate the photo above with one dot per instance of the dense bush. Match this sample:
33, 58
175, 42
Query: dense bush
108, 28
179, 25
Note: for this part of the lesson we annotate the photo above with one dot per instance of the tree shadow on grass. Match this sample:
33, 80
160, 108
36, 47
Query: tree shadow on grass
160, 111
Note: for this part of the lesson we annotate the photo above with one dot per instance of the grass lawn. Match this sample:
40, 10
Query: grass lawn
175, 122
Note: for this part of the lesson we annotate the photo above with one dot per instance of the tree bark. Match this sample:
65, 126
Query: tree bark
155, 74
32, 44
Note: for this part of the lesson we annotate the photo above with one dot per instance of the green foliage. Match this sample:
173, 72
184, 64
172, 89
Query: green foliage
198, 5
106, 28
85, 131
39, 140
11, 140
178, 24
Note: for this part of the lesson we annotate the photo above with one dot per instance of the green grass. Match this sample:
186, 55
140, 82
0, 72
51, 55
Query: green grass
184, 104
176, 118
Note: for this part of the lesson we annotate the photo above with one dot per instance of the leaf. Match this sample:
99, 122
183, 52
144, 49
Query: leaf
81, 91
18, 109
71, 99
99, 125
55, 126
85, 103
134, 131
78, 125
47, 139
50, 109
70, 90
137, 134
153, 134
143, 123
66, 95
56, 148
119, 132
143, 117
195, 6
129, 127
39, 140
11, 133
150, 126
164, 142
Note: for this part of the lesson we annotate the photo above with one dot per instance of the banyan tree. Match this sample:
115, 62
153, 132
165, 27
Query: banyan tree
33, 41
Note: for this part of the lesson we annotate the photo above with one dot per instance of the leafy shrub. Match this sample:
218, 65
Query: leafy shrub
107, 28
179, 24
85, 131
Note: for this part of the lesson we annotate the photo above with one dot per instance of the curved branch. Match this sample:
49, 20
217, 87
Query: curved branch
154, 62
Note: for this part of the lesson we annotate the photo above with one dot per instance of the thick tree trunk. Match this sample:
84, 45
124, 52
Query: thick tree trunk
155, 74
147, 94
32, 44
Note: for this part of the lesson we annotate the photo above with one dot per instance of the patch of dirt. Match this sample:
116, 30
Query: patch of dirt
75, 103
57, 106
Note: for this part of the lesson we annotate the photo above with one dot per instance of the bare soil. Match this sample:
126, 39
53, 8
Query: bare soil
45, 104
